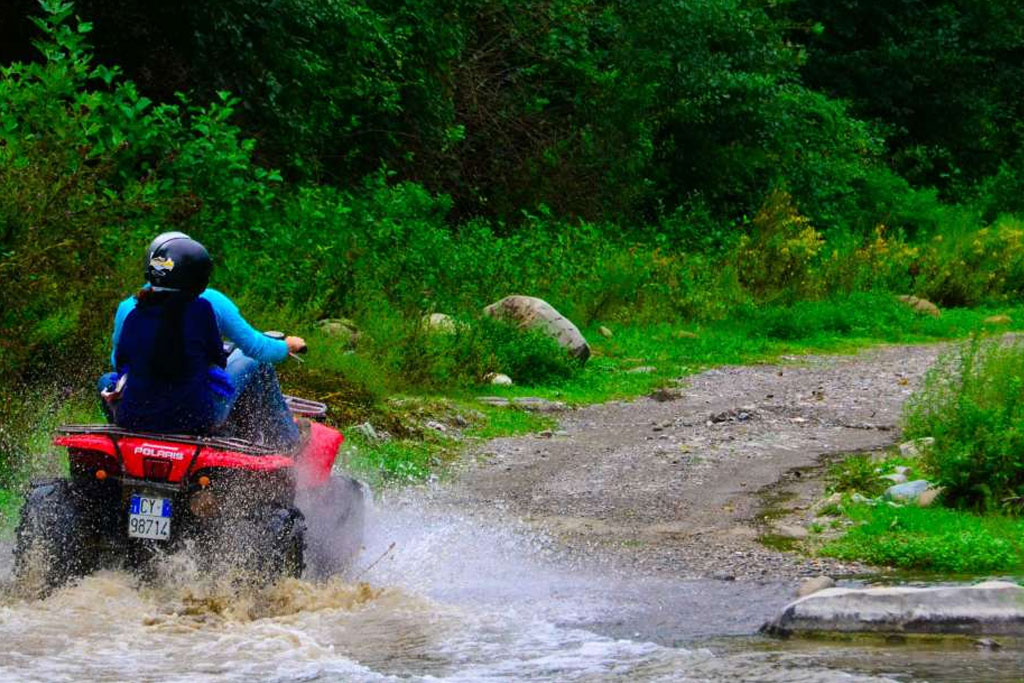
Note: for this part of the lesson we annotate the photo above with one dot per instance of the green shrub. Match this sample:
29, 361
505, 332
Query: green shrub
775, 259
972, 403
420, 358
931, 539
856, 474
89, 171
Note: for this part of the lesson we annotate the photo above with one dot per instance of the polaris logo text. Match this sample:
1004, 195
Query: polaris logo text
158, 452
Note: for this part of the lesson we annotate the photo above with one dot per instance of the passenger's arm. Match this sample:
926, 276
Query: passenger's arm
253, 343
123, 309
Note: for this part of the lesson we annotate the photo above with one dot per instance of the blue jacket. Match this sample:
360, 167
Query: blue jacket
185, 403
232, 325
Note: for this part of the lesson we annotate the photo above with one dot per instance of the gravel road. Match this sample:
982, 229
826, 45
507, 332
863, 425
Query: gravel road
677, 487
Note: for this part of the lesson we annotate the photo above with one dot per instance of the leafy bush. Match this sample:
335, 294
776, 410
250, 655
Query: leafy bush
972, 403
931, 539
775, 259
965, 266
89, 171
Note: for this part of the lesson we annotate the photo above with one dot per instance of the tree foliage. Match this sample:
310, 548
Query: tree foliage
944, 78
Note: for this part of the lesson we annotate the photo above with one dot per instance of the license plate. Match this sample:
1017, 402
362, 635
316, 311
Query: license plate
149, 517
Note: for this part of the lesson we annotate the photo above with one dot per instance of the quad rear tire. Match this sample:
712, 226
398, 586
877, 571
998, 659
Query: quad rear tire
51, 547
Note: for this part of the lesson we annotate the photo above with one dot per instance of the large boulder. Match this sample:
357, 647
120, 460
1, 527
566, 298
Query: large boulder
990, 608
529, 311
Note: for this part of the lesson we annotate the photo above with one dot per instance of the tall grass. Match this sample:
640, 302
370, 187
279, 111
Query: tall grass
972, 403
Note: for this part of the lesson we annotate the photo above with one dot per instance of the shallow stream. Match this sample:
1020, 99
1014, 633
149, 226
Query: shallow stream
457, 598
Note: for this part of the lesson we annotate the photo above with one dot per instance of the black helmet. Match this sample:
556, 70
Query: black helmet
160, 239
178, 263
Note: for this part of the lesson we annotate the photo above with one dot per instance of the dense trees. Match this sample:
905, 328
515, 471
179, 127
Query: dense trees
595, 108
944, 79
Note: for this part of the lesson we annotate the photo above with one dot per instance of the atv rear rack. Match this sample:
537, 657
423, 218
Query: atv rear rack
219, 442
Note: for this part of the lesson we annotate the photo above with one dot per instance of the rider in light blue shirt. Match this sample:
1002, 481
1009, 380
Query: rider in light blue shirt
258, 411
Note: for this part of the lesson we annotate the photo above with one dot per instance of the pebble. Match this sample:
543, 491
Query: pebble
987, 644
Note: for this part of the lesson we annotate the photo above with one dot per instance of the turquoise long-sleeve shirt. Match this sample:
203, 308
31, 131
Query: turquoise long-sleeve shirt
232, 325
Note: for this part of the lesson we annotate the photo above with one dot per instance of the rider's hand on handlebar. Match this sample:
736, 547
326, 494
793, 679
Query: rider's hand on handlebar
295, 344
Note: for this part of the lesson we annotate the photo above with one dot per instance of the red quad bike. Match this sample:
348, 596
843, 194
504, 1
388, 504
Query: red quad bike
132, 498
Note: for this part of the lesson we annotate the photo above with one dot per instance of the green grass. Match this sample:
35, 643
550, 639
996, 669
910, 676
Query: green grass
498, 422
838, 325
357, 384
932, 539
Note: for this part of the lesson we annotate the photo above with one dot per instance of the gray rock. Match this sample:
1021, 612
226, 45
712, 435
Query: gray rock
642, 370
920, 305
436, 426
343, 328
439, 322
498, 379
494, 401
529, 311
796, 533
367, 430
990, 608
814, 585
914, 449
825, 503
906, 491
927, 498
539, 405
666, 394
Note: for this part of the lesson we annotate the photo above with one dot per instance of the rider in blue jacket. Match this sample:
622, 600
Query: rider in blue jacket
169, 351
257, 408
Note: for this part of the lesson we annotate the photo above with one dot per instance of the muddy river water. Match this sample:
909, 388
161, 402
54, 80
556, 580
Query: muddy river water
456, 599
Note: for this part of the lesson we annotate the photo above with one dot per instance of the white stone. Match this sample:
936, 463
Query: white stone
990, 608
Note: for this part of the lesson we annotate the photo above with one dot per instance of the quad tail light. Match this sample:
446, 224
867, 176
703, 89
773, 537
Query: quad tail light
156, 468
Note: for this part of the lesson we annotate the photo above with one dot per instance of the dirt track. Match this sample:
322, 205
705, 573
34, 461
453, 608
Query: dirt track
678, 486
